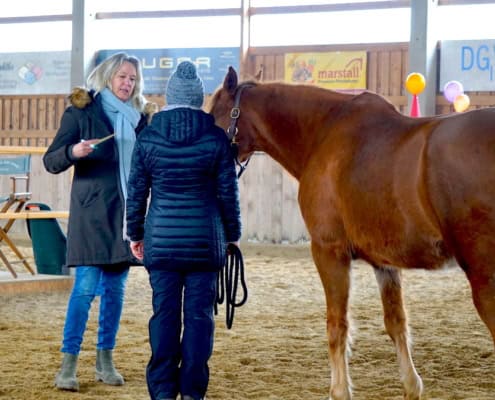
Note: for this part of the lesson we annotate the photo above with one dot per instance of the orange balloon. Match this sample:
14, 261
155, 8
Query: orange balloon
415, 83
461, 102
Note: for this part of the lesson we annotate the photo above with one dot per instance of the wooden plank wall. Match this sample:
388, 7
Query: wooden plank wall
269, 205
30, 120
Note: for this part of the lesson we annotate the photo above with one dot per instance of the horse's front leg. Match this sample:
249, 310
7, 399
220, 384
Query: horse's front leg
333, 266
394, 315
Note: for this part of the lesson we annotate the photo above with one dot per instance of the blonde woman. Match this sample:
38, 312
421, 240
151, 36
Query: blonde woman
96, 136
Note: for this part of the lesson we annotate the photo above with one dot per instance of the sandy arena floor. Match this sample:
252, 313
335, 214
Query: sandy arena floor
277, 347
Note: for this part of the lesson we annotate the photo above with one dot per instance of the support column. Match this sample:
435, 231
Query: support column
423, 52
245, 41
82, 56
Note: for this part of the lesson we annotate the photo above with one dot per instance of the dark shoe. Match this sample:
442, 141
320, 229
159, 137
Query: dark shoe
187, 397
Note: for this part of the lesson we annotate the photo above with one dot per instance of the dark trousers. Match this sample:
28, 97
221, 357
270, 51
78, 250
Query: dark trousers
181, 365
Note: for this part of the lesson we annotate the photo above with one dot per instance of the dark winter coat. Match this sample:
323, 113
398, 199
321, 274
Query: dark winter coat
94, 233
185, 160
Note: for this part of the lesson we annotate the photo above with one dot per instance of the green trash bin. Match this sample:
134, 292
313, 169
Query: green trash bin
49, 243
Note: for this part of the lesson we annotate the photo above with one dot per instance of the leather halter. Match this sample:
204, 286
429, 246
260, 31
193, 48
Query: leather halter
232, 129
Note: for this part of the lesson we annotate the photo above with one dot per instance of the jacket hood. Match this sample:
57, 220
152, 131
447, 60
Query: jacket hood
81, 97
182, 125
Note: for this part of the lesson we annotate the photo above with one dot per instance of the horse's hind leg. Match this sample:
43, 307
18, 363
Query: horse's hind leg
481, 275
334, 269
389, 283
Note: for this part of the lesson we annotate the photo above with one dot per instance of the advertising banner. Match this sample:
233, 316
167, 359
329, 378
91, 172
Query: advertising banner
35, 73
341, 70
470, 62
158, 64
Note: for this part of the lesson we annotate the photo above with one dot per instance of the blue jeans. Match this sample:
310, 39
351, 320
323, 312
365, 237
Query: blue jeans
89, 282
181, 365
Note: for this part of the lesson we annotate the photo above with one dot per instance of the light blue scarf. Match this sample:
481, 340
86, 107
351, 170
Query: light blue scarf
124, 119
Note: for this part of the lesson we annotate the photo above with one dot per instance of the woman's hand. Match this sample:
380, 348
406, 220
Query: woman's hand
137, 249
83, 148
236, 244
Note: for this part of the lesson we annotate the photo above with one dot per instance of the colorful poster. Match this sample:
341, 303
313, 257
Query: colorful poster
340, 70
159, 64
35, 73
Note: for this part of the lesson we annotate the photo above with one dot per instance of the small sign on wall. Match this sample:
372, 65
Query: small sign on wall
35, 73
471, 62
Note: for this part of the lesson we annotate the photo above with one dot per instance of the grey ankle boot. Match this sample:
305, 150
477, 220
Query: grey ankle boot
66, 378
105, 370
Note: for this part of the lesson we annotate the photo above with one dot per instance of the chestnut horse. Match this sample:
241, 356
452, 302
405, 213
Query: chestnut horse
395, 191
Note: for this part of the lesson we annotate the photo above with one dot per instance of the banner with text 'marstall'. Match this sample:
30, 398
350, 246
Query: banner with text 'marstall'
340, 70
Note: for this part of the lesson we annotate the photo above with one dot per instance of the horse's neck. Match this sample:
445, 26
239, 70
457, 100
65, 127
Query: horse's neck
290, 120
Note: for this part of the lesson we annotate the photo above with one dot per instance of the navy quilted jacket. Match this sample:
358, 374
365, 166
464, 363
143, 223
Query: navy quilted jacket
184, 162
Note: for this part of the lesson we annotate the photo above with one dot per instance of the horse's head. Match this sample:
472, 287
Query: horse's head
226, 106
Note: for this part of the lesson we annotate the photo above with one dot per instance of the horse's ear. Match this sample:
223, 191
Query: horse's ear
230, 81
259, 75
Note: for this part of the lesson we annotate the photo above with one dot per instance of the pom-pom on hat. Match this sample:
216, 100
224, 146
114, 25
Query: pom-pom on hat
185, 87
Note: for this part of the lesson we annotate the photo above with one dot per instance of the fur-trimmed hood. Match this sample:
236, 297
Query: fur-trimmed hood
81, 97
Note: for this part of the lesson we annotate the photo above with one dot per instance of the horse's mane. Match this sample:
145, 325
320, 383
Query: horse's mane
251, 83
365, 98
365, 95
322, 97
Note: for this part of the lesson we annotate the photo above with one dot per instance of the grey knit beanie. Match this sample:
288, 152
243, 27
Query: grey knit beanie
185, 87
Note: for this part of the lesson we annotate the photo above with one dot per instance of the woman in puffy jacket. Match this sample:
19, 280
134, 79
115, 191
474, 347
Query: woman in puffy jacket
95, 236
183, 161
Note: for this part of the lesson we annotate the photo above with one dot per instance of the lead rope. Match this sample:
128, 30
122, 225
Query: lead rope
228, 281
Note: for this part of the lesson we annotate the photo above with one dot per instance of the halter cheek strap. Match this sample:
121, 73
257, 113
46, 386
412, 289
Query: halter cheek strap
232, 129
235, 113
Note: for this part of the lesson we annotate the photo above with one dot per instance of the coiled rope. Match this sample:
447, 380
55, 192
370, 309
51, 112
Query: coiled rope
228, 281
